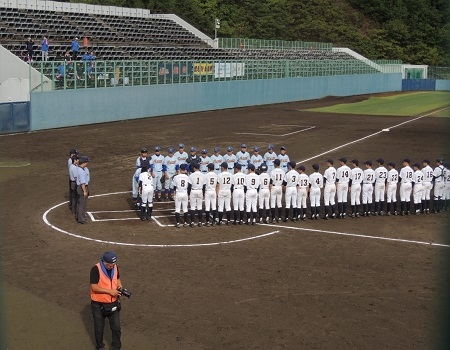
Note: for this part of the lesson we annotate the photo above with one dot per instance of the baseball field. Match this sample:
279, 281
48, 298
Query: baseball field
360, 283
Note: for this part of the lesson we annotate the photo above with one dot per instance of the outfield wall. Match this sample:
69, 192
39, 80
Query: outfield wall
442, 85
55, 109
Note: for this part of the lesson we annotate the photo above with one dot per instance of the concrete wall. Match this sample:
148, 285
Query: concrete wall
57, 109
442, 85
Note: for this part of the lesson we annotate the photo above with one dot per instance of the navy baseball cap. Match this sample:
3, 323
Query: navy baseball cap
193, 149
301, 167
283, 147
256, 149
243, 145
416, 165
251, 167
270, 147
73, 151
211, 166
355, 161
426, 161
182, 166
170, 150
224, 165
229, 149
381, 161
181, 145
144, 150
276, 162
392, 164
330, 161
204, 151
343, 160
84, 159
109, 257
216, 149
157, 149
238, 166
315, 166
292, 164
74, 157
407, 160
196, 165
368, 162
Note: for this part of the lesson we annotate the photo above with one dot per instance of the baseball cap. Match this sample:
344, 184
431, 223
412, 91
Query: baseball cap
315, 166
204, 151
343, 160
270, 147
84, 159
238, 166
276, 162
368, 162
229, 149
407, 160
392, 164
426, 161
301, 167
181, 145
196, 165
211, 166
182, 166
416, 165
256, 149
251, 167
109, 257
283, 147
144, 150
329, 160
74, 158
292, 164
73, 151
439, 160
157, 149
144, 169
355, 161
216, 149
381, 161
170, 150
243, 145
193, 149
224, 165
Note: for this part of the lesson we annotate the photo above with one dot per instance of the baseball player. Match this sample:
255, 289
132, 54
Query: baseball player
290, 183
439, 185
417, 184
342, 179
269, 158
315, 185
181, 156
367, 189
143, 160
380, 186
180, 188
256, 159
356, 178
446, 194
192, 159
243, 158
264, 193
302, 192
405, 179
195, 190
225, 181
427, 171
156, 166
170, 168
146, 189
276, 191
330, 189
251, 195
284, 159
211, 179
238, 194
230, 159
391, 190
204, 161
216, 159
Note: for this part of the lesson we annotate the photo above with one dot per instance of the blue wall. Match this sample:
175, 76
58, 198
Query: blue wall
86, 106
442, 85
418, 84
14, 117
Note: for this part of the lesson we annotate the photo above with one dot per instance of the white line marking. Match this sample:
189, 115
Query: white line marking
274, 135
362, 236
91, 216
366, 137
13, 164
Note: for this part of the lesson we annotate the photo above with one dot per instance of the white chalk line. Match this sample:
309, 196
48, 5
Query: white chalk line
371, 135
309, 127
14, 164
363, 236
45, 219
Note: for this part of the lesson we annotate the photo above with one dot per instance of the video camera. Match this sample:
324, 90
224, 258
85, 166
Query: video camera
124, 292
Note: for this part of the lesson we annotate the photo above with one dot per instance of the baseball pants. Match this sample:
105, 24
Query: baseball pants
275, 197
380, 189
224, 200
329, 195
355, 194
367, 193
238, 199
290, 197
405, 192
391, 195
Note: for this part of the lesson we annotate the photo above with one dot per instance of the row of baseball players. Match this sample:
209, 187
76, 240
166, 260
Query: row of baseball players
250, 188
165, 167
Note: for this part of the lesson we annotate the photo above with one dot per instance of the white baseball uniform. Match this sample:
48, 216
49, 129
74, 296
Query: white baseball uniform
357, 176
238, 191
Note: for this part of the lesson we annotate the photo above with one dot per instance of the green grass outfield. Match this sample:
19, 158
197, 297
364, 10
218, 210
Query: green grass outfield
404, 104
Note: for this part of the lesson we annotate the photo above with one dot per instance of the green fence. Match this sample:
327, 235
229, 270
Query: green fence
440, 73
84, 74
242, 43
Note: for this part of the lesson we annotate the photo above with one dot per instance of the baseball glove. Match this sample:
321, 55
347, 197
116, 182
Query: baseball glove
163, 179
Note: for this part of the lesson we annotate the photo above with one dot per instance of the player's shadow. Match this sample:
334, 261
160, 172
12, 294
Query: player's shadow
86, 317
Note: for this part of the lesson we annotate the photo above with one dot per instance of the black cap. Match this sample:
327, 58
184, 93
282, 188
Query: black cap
407, 160
210, 166
292, 164
426, 161
144, 169
238, 166
355, 161
343, 160
84, 159
276, 162
74, 157
392, 164
368, 162
224, 165
73, 151
439, 160
330, 161
109, 257
196, 165
182, 166
251, 167
315, 166
283, 147
380, 160
301, 167
416, 165
144, 150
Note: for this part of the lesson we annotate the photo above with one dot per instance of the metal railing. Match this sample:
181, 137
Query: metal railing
96, 74
243, 43
442, 73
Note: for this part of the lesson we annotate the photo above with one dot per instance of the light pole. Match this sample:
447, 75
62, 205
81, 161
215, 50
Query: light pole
217, 26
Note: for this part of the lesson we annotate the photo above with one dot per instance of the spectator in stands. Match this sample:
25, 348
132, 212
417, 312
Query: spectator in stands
29, 47
86, 56
67, 57
61, 71
75, 48
44, 48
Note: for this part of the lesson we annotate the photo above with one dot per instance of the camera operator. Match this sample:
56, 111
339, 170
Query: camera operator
105, 302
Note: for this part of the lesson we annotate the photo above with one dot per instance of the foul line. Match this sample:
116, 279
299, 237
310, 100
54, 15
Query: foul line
363, 236
366, 137
308, 127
